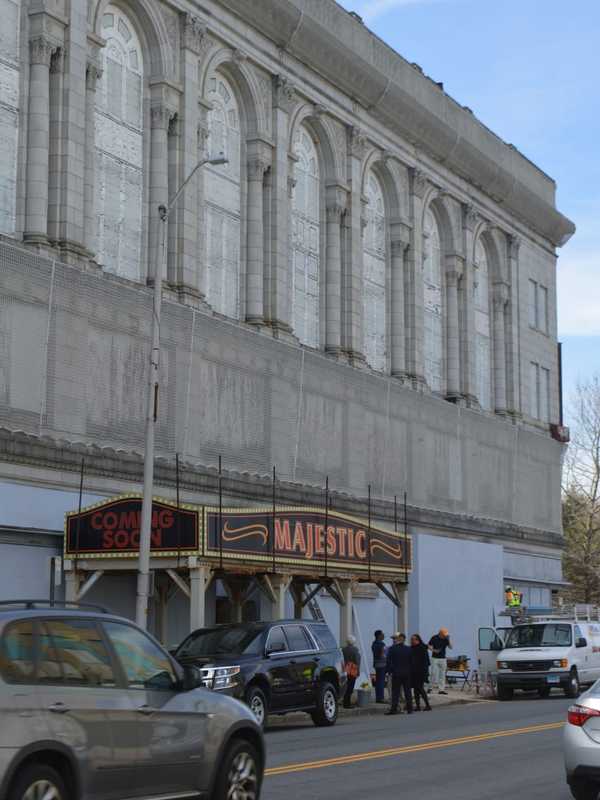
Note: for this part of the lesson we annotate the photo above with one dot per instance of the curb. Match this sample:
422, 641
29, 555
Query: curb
276, 720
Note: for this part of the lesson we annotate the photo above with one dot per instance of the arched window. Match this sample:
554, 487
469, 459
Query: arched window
481, 302
434, 305
375, 258
304, 240
223, 200
119, 148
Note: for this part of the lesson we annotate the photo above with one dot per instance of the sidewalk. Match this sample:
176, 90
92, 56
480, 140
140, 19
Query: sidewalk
454, 697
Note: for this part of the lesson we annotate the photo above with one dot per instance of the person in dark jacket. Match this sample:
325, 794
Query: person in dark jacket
419, 670
352, 667
379, 665
398, 666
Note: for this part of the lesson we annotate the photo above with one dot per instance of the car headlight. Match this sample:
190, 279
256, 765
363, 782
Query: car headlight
220, 677
503, 664
562, 663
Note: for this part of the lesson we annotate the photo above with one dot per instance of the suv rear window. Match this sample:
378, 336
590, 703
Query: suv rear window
324, 637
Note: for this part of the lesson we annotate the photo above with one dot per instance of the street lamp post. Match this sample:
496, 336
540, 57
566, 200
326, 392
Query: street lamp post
141, 608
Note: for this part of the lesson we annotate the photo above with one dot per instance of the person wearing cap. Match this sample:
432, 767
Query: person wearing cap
398, 666
438, 645
352, 668
379, 664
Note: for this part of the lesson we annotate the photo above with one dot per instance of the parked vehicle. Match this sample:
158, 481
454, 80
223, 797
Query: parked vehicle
543, 654
92, 706
274, 667
581, 745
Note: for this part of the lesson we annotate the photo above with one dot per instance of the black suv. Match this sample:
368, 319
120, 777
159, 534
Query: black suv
274, 667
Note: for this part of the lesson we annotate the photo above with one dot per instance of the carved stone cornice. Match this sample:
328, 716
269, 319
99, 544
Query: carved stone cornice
160, 116
257, 166
93, 73
57, 61
398, 247
336, 200
194, 33
357, 142
41, 49
420, 182
500, 295
514, 244
455, 268
284, 93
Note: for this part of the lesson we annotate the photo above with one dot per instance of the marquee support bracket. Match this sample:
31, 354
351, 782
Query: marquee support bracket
180, 582
393, 595
94, 577
311, 594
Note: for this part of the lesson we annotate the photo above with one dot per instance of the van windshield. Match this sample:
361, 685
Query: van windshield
544, 635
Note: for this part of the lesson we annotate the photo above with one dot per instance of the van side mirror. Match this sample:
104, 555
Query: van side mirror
581, 642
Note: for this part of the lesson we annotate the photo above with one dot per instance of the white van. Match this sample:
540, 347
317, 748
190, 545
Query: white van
542, 655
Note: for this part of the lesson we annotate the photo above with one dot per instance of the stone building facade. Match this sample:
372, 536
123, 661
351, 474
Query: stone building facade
365, 291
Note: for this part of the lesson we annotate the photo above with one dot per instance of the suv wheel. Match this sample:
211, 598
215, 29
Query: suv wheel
239, 775
573, 689
38, 782
582, 790
257, 702
327, 709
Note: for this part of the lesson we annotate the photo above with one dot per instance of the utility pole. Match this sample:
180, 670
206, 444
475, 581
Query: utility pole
143, 581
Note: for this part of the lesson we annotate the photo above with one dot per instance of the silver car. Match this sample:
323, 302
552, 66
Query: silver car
581, 739
93, 707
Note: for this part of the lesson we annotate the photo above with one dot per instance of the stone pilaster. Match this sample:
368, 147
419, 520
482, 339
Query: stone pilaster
41, 49
352, 286
56, 144
513, 331
187, 265
400, 243
454, 273
93, 75
335, 209
501, 293
278, 309
160, 116
471, 220
201, 151
258, 163
414, 286
175, 179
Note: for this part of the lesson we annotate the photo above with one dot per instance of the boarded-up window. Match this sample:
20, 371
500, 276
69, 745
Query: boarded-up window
119, 149
9, 112
223, 200
481, 303
434, 306
305, 240
374, 259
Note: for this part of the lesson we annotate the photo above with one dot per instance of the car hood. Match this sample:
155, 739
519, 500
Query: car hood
533, 653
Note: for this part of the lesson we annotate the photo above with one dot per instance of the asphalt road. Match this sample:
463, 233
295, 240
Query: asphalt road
483, 751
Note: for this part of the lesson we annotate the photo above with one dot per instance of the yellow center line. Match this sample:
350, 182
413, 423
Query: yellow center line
414, 748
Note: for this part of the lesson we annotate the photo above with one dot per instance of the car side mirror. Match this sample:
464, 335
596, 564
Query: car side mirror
279, 647
581, 642
192, 678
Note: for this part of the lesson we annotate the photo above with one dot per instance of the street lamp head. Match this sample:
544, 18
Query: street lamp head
221, 158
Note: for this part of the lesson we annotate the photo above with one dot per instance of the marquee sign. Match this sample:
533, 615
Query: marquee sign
112, 528
305, 537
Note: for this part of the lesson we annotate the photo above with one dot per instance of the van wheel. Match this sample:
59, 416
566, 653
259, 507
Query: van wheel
38, 782
583, 790
573, 689
239, 774
257, 702
504, 693
326, 713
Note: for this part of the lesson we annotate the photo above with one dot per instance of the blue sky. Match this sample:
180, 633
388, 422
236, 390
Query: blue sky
530, 70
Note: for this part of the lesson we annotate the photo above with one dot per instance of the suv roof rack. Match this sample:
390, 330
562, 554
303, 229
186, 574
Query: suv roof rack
66, 604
